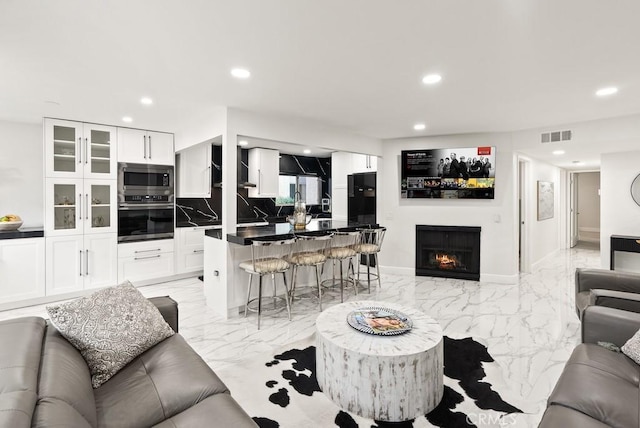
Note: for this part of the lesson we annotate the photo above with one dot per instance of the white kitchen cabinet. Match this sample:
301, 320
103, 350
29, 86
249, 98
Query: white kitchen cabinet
75, 263
140, 146
363, 163
22, 269
79, 150
75, 206
145, 260
190, 248
194, 172
264, 171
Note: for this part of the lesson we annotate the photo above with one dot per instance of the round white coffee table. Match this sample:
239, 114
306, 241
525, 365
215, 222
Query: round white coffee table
385, 378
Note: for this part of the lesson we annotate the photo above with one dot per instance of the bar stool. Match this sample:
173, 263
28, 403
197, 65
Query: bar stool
268, 258
343, 245
310, 250
369, 246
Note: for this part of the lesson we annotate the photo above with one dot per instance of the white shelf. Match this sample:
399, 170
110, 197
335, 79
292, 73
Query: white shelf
64, 141
64, 156
100, 205
100, 159
101, 144
64, 206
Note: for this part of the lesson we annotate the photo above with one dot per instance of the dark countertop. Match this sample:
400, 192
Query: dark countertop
23, 232
245, 235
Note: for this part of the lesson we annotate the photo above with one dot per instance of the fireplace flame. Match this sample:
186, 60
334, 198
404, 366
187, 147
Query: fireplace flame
446, 261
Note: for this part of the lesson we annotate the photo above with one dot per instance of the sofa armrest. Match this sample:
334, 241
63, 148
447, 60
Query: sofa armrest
615, 299
603, 324
168, 308
587, 279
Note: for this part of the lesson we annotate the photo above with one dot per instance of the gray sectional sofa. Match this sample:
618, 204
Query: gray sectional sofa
599, 387
606, 288
45, 382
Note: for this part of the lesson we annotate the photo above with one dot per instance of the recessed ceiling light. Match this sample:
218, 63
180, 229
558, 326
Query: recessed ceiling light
243, 143
146, 101
606, 91
558, 152
430, 79
240, 73
127, 119
419, 126
306, 151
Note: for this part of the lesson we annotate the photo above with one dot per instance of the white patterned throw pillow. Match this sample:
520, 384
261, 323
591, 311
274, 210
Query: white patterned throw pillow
632, 347
110, 328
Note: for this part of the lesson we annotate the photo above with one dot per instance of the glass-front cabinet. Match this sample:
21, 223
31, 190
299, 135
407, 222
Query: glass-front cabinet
80, 150
76, 206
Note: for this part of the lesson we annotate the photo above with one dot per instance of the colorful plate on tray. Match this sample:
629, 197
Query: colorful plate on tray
379, 321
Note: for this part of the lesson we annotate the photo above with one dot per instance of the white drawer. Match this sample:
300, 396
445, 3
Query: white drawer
144, 248
145, 266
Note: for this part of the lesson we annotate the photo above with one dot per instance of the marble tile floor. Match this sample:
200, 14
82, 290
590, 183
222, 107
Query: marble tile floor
530, 328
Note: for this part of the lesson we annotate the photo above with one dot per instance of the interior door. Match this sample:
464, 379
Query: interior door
573, 210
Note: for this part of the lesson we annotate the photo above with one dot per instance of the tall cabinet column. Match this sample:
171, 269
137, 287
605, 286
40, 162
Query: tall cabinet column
80, 206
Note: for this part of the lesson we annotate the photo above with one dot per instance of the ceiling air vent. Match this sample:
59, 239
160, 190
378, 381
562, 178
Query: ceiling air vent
555, 136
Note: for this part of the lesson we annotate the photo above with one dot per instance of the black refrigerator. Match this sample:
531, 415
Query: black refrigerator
361, 189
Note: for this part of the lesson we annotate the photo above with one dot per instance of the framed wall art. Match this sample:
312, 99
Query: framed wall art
545, 200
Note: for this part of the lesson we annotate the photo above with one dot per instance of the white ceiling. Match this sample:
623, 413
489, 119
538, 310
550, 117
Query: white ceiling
506, 64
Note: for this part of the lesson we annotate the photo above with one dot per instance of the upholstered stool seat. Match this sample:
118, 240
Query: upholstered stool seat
311, 251
368, 249
268, 258
343, 248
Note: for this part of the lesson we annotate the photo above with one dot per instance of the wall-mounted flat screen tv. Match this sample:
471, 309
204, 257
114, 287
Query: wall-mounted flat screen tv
459, 173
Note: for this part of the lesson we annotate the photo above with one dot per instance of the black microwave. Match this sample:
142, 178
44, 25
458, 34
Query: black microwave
154, 181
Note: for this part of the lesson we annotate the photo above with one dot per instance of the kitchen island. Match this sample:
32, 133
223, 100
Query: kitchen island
226, 284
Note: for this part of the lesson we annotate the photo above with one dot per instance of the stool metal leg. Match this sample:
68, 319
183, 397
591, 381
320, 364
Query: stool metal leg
259, 300
319, 289
375, 258
286, 293
341, 283
246, 307
369, 272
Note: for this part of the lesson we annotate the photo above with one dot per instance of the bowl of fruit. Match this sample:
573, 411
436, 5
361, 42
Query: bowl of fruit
10, 222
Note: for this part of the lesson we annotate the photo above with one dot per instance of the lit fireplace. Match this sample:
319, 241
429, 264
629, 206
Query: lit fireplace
447, 261
448, 251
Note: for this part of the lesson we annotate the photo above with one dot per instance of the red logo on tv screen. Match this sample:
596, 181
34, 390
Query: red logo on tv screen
484, 151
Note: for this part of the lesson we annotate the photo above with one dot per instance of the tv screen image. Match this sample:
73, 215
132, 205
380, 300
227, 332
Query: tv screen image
458, 173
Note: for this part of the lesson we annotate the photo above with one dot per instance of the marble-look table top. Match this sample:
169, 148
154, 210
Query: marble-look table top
425, 334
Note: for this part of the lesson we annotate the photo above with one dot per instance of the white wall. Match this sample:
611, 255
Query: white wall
588, 184
544, 235
619, 214
22, 171
497, 217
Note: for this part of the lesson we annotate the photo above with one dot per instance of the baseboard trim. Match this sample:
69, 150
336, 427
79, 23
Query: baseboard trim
499, 279
496, 279
537, 265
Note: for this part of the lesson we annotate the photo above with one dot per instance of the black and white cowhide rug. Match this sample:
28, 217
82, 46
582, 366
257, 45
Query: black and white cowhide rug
281, 390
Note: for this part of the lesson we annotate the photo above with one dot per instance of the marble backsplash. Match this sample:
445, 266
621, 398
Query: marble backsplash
208, 211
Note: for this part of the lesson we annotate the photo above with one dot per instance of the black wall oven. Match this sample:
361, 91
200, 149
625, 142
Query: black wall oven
145, 202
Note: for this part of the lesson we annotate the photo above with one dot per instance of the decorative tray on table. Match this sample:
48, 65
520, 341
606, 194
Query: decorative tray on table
379, 321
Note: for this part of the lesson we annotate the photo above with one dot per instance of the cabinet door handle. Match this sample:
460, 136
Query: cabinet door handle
80, 262
198, 251
146, 251
145, 146
79, 206
86, 214
149, 146
79, 150
259, 182
86, 150
86, 263
148, 257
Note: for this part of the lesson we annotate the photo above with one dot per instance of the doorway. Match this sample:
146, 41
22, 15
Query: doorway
585, 209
